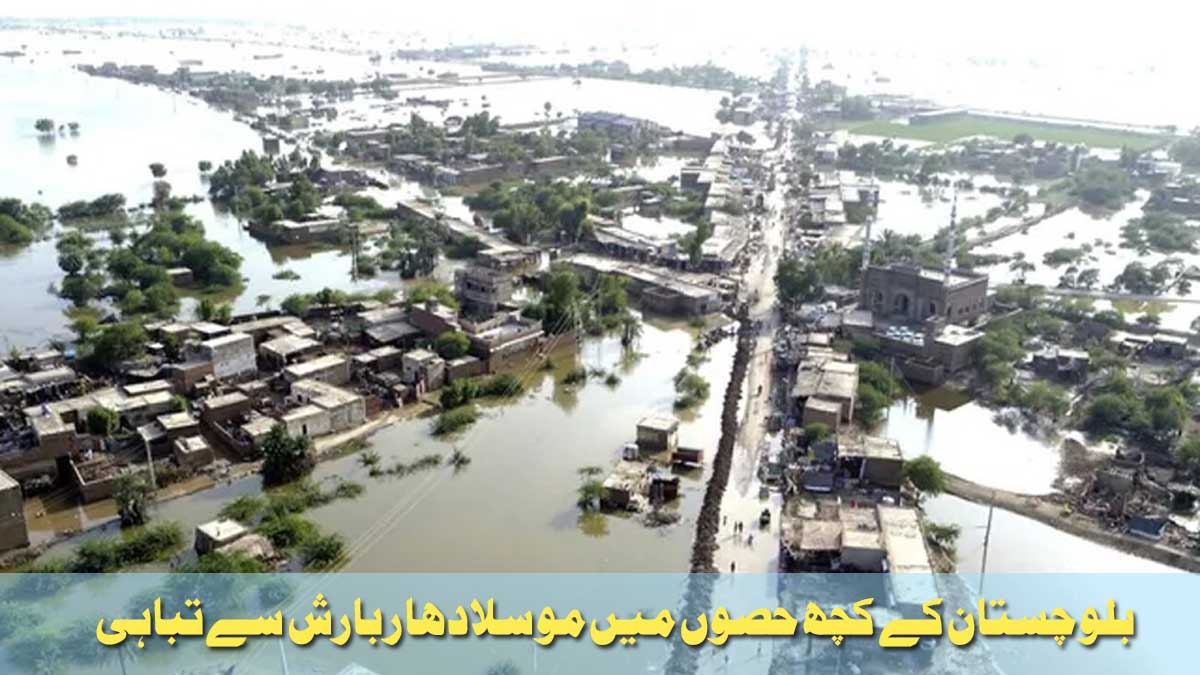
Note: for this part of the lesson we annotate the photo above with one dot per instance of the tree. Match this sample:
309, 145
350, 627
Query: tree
296, 305
44, 125
1168, 411
285, 458
926, 475
162, 194
1129, 158
117, 343
872, 403
611, 299
562, 302
102, 421
1188, 451
158, 170
70, 261
204, 165
631, 329
452, 344
208, 310
797, 281
1103, 187
133, 494
815, 432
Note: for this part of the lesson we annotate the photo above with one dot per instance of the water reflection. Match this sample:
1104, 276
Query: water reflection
968, 442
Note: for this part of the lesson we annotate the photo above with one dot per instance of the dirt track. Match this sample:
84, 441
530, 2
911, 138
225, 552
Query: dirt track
1042, 509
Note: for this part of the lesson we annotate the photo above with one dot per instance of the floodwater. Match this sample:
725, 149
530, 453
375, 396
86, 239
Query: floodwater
682, 109
1020, 544
1104, 85
963, 436
658, 168
125, 127
1101, 235
521, 483
907, 209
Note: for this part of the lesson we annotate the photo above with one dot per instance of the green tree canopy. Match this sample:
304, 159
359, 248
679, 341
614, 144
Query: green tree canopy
926, 475
286, 458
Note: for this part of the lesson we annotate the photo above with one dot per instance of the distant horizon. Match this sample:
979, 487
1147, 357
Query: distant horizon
1020, 28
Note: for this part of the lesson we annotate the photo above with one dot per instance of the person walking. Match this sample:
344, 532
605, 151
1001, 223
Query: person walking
732, 566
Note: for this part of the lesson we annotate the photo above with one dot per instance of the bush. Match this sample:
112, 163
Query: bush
502, 385
452, 344
578, 375
138, 547
226, 563
286, 531
458, 393
690, 389
453, 420
244, 509
323, 552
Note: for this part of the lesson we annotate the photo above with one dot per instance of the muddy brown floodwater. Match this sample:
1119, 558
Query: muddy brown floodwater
513, 507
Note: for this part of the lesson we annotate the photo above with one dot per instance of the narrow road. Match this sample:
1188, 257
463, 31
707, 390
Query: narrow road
1042, 509
755, 549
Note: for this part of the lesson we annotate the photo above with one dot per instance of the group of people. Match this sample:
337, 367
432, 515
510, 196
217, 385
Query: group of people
738, 528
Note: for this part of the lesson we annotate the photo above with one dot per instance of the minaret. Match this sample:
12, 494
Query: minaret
866, 255
866, 259
951, 239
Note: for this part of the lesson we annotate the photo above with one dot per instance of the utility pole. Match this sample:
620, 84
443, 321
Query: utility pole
150, 465
987, 535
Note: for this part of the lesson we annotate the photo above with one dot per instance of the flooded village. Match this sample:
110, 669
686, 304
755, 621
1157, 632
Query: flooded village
506, 309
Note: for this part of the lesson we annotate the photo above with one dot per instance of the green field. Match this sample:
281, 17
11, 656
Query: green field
954, 129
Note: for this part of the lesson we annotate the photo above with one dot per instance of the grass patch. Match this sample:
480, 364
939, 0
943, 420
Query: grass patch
954, 129
1126, 306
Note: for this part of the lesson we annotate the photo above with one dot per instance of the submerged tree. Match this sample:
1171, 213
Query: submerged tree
591, 489
285, 457
133, 494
